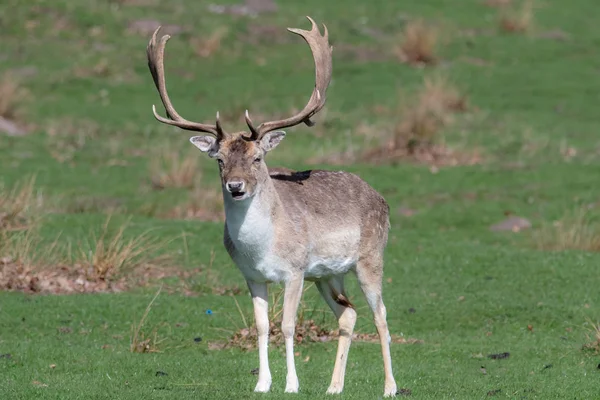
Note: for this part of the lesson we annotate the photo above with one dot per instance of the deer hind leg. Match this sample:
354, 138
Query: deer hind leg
291, 300
370, 276
261, 317
346, 316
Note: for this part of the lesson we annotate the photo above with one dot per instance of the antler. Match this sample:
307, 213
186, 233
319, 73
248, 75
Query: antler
156, 52
321, 50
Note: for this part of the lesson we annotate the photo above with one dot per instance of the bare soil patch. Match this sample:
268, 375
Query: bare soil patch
307, 331
65, 279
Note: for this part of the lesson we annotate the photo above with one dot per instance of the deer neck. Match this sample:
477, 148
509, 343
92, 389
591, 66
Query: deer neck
250, 222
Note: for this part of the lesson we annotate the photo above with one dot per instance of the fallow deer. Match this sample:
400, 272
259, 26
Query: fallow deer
288, 227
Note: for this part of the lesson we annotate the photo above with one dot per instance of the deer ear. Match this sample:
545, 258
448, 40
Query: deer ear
271, 140
206, 144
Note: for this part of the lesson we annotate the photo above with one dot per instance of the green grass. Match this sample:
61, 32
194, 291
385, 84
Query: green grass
475, 292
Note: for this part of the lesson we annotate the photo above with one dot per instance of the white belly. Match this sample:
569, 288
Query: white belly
333, 254
273, 269
322, 267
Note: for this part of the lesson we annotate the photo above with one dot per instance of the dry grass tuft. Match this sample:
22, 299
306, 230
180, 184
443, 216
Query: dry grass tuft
18, 247
205, 47
109, 255
593, 338
417, 134
432, 111
139, 341
20, 206
12, 95
22, 256
170, 169
418, 44
517, 20
575, 231
98, 265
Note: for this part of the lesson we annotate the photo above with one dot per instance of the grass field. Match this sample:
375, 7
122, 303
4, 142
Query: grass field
74, 79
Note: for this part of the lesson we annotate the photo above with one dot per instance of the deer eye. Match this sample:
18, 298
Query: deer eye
220, 162
257, 160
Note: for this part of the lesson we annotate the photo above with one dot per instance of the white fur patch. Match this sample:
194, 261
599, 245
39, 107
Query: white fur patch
251, 230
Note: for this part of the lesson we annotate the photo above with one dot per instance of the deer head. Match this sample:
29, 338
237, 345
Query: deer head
241, 155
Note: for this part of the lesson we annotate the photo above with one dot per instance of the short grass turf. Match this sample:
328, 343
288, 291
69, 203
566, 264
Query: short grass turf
464, 291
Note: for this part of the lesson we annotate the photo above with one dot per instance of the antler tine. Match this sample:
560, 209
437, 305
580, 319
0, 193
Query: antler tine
321, 51
156, 52
218, 125
253, 132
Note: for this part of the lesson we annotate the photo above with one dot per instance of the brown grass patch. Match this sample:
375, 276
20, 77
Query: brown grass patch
593, 337
205, 47
21, 257
168, 168
111, 254
306, 331
12, 96
416, 136
20, 206
515, 19
575, 231
105, 263
418, 43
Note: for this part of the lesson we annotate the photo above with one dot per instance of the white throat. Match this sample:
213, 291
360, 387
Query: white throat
249, 224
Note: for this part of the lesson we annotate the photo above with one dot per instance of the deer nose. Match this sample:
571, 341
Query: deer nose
235, 186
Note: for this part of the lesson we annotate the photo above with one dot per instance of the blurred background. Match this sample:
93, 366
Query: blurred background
476, 119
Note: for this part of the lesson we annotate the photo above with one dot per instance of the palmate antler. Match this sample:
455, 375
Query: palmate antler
156, 52
321, 50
